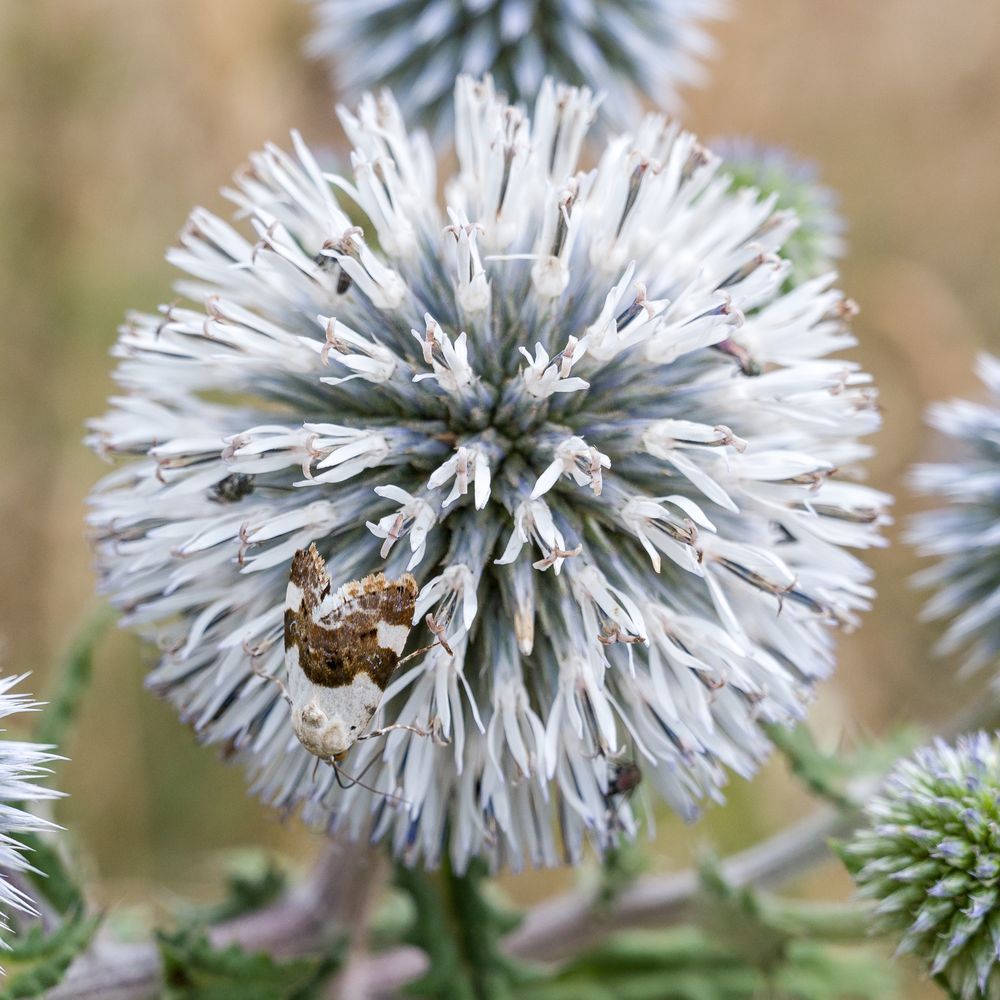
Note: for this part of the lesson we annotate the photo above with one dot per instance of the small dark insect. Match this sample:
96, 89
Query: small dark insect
625, 778
232, 489
327, 262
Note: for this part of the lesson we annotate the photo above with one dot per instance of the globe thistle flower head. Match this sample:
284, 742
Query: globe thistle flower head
650, 47
818, 242
964, 535
578, 405
930, 858
21, 765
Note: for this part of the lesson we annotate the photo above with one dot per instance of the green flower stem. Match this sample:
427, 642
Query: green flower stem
51, 877
460, 930
71, 680
686, 963
621, 867
822, 774
843, 922
433, 933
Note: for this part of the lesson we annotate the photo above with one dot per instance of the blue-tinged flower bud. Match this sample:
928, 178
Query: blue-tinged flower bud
939, 893
818, 241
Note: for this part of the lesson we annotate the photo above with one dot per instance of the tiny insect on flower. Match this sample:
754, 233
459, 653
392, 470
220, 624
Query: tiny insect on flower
232, 489
625, 778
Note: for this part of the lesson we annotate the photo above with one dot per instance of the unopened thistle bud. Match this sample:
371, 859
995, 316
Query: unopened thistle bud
818, 241
930, 857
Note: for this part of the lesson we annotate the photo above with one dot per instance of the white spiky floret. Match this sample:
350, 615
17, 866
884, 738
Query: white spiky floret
591, 417
964, 535
818, 241
653, 48
22, 765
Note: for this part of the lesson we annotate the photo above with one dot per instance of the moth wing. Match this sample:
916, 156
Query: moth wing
308, 582
352, 705
334, 638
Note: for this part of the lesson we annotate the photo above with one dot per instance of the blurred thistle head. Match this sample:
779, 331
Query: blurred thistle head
21, 765
818, 242
930, 858
580, 406
647, 47
965, 534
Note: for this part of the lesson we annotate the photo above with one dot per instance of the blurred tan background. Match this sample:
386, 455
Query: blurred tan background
118, 117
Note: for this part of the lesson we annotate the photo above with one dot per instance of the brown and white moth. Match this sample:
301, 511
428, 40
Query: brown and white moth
341, 649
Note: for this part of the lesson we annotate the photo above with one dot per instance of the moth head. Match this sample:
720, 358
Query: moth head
319, 734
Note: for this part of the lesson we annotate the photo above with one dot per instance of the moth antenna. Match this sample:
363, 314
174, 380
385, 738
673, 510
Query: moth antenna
354, 781
395, 727
339, 773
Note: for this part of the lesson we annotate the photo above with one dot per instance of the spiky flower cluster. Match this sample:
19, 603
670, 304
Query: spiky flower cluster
579, 405
21, 765
930, 857
965, 535
417, 49
818, 242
